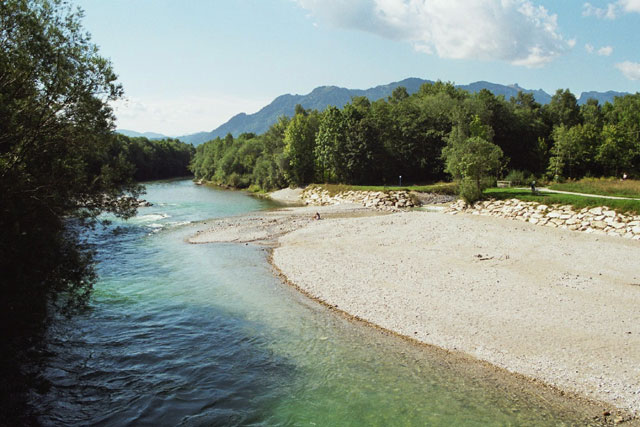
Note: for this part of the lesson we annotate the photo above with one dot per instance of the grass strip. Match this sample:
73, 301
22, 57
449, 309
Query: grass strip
578, 202
601, 186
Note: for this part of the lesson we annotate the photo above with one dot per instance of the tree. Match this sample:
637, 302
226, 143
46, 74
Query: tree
330, 133
563, 109
299, 140
58, 158
592, 114
616, 152
622, 135
526, 143
398, 95
359, 152
567, 152
470, 160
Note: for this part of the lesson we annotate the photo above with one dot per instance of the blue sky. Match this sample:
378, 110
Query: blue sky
189, 66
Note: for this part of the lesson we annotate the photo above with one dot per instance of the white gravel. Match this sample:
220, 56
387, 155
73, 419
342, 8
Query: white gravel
287, 195
555, 305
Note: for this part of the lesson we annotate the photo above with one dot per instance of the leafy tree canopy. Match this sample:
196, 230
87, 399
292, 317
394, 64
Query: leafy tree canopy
58, 154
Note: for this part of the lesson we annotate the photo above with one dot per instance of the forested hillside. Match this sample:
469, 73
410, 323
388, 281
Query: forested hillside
376, 142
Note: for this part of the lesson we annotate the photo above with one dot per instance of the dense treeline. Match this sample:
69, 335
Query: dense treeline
405, 135
155, 159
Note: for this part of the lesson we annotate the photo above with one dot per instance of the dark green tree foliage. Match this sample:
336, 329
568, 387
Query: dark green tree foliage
331, 133
523, 140
56, 146
299, 144
240, 162
359, 153
269, 170
156, 159
563, 110
622, 137
58, 159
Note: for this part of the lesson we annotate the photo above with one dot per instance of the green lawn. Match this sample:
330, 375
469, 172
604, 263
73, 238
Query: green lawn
602, 186
579, 202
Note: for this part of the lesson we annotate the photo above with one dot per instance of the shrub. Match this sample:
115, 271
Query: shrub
488, 182
469, 191
516, 177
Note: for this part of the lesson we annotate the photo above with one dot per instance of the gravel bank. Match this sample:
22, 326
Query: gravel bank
265, 227
554, 305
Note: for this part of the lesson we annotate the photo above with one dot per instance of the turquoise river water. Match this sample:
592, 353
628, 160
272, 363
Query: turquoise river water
180, 334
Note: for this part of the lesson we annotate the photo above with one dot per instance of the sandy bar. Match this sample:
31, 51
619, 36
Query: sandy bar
553, 305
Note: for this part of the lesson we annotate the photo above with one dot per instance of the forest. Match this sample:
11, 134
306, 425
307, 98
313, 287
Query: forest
416, 137
155, 159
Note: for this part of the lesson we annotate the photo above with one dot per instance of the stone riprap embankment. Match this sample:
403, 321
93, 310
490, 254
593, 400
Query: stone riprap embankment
387, 201
599, 220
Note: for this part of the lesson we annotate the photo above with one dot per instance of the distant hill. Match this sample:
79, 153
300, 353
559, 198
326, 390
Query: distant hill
134, 134
324, 96
602, 97
319, 99
507, 91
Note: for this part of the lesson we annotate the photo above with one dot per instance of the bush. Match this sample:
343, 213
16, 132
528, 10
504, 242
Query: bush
469, 191
235, 180
518, 177
488, 182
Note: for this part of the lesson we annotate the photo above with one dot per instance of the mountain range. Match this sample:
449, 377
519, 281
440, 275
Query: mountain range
324, 96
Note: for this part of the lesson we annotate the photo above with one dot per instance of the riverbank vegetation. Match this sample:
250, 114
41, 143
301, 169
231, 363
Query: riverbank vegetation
155, 159
438, 133
60, 163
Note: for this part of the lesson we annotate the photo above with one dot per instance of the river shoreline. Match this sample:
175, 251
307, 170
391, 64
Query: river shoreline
562, 326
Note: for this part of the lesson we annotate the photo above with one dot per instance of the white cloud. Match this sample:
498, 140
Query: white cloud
631, 70
612, 10
630, 5
608, 13
180, 116
516, 31
605, 51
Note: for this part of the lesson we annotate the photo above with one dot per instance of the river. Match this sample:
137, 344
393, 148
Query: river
180, 334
